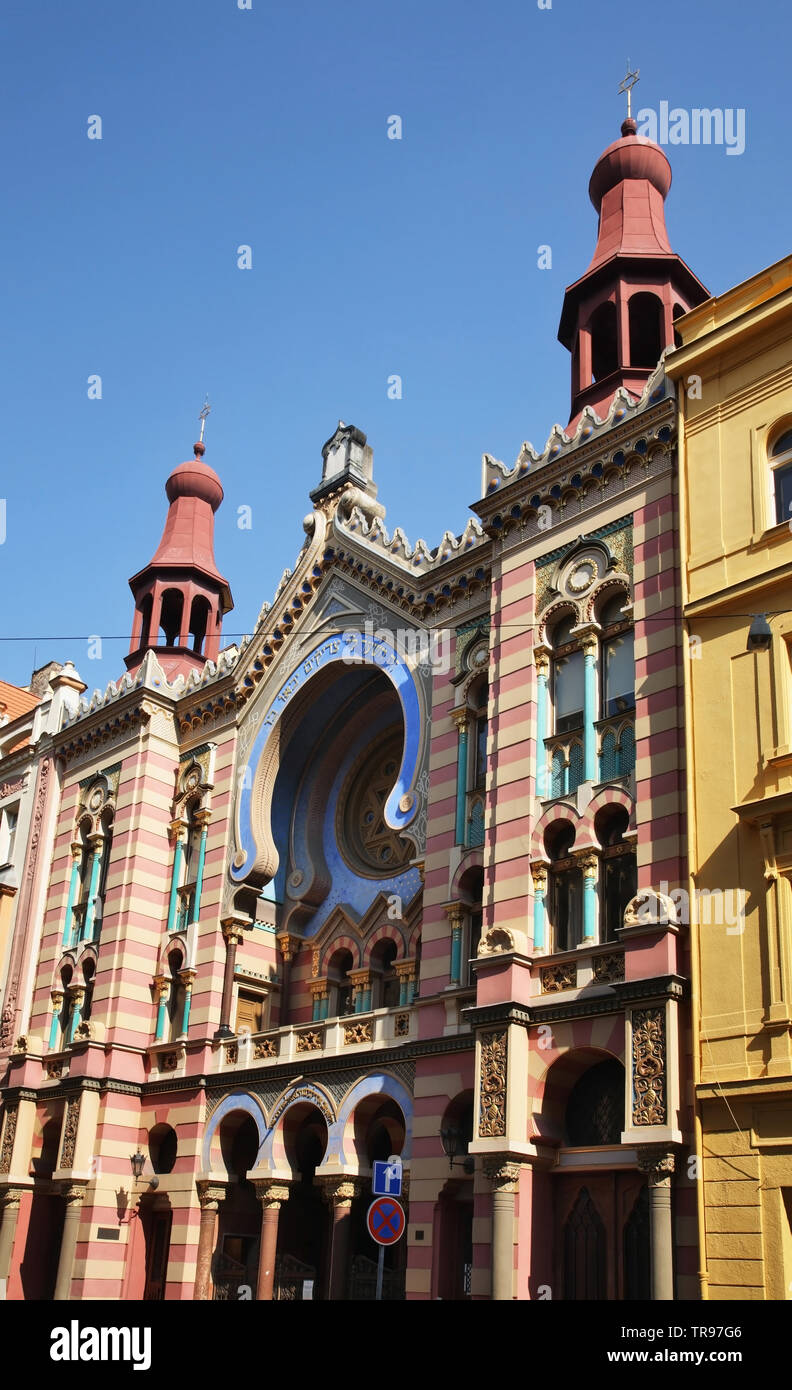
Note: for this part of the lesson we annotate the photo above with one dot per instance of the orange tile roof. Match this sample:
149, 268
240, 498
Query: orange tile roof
14, 703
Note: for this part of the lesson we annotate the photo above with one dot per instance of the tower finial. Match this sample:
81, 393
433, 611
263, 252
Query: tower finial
626, 85
202, 414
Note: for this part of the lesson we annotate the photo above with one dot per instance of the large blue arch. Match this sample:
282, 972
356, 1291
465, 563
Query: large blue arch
351, 648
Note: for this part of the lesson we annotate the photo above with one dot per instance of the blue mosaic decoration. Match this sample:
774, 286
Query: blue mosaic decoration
350, 648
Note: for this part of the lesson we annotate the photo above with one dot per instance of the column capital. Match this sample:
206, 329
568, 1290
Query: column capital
405, 969
203, 817
95, 841
76, 993
454, 912
360, 978
187, 978
233, 930
162, 986
589, 862
210, 1193
177, 828
271, 1192
589, 639
339, 1191
539, 876
74, 1192
11, 1196
461, 718
56, 995
76, 850
318, 989
541, 656
657, 1161
288, 945
502, 1171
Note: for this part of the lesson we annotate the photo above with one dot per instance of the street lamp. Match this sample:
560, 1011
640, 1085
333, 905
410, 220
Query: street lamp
138, 1161
454, 1142
759, 635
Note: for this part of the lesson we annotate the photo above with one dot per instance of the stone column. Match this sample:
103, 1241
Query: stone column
455, 912
74, 1195
539, 876
210, 1195
57, 1001
504, 1175
232, 934
271, 1195
590, 866
162, 990
658, 1163
340, 1194
10, 1198
589, 707
542, 664
201, 818
178, 829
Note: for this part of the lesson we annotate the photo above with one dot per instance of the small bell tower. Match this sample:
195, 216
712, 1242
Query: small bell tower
618, 318
181, 596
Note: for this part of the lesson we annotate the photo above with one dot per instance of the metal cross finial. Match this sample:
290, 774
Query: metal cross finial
627, 85
202, 414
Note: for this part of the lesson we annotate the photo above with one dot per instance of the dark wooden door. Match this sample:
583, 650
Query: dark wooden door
157, 1251
601, 1228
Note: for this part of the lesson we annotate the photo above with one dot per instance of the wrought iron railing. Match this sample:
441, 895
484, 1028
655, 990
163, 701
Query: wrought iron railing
291, 1276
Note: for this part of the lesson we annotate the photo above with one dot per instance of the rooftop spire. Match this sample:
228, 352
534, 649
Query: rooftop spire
181, 596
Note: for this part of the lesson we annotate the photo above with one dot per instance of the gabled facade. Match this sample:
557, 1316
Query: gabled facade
392, 876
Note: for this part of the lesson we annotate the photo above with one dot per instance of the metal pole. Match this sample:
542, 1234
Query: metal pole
380, 1268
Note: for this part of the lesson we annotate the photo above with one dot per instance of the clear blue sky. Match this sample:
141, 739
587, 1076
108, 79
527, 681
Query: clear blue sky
371, 257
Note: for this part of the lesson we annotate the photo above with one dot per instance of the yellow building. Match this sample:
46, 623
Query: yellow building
734, 378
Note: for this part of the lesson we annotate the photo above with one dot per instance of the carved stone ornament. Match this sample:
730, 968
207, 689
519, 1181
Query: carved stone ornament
401, 1025
649, 1048
271, 1194
267, 1047
657, 1162
495, 941
11, 1196
357, 1032
210, 1194
340, 1191
9, 1132
310, 1041
558, 977
492, 1101
70, 1133
502, 1172
650, 909
609, 969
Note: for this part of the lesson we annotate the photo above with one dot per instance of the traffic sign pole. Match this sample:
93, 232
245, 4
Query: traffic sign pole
380, 1269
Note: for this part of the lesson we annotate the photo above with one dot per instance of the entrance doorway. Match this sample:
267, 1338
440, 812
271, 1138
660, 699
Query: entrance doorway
157, 1230
601, 1223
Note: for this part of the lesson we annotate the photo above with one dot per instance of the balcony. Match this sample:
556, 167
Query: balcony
353, 1033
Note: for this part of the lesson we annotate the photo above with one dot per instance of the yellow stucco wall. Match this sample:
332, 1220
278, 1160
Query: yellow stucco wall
734, 378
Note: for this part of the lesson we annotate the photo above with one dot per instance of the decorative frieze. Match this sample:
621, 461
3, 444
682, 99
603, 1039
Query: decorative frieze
492, 1102
70, 1133
609, 969
9, 1134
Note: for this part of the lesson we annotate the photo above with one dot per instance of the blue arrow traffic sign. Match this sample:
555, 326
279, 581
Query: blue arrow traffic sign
387, 1178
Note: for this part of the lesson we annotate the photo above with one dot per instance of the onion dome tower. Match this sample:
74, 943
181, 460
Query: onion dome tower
181, 596
619, 317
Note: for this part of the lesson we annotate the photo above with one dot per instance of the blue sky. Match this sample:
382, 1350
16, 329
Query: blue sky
371, 257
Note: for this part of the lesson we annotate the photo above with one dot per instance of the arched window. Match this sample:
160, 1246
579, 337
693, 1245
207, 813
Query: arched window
604, 341
566, 887
162, 1147
199, 617
567, 687
385, 981
89, 973
188, 873
477, 762
341, 989
106, 849
781, 473
646, 330
67, 1005
619, 871
176, 996
617, 667
171, 610
146, 606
